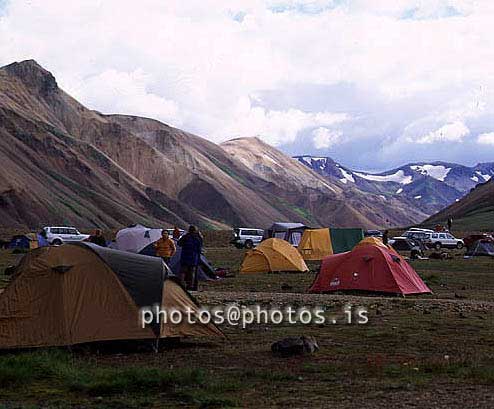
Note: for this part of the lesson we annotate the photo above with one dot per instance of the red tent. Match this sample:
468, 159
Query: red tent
368, 268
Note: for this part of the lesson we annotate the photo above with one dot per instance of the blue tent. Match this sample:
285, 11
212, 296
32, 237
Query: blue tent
205, 272
23, 241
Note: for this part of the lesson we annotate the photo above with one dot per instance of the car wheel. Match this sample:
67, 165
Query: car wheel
459, 245
56, 242
438, 246
249, 244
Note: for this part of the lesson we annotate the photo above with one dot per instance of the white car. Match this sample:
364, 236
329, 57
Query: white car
247, 237
439, 240
60, 235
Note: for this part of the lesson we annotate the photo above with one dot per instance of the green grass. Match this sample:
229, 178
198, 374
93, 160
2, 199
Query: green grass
62, 373
401, 350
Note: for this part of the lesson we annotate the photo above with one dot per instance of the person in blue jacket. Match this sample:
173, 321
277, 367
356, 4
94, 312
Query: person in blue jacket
191, 244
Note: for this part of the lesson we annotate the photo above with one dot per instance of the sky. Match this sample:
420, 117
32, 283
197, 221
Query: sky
373, 84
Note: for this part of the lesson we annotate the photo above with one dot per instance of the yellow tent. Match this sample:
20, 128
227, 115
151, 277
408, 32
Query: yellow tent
371, 241
375, 241
315, 244
273, 255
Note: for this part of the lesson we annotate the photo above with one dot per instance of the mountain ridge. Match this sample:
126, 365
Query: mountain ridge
433, 185
66, 164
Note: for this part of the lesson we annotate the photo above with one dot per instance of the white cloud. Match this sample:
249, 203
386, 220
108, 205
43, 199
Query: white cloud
114, 91
452, 132
275, 126
325, 138
198, 64
486, 138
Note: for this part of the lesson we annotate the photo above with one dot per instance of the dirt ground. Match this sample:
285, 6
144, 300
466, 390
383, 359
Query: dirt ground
432, 351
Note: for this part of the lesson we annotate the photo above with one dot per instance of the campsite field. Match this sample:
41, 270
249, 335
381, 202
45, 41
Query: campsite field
433, 351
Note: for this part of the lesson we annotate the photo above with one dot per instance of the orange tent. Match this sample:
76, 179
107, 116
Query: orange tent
273, 255
79, 293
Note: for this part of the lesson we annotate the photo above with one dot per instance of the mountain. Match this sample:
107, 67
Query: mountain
63, 163
428, 186
323, 201
473, 212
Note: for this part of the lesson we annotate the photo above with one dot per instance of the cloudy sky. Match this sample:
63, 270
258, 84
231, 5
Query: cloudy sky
371, 83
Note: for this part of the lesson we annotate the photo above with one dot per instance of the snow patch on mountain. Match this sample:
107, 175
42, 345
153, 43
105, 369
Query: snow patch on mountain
399, 191
347, 177
438, 172
398, 177
486, 177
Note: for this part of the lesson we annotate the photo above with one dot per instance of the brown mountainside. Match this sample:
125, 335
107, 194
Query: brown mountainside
65, 164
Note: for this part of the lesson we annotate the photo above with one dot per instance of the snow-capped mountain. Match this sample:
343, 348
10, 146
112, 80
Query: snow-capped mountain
429, 186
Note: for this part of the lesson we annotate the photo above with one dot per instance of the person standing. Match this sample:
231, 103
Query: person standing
191, 244
450, 223
165, 246
98, 238
385, 237
176, 233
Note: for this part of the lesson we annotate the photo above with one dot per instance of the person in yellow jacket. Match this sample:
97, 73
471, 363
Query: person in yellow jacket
165, 247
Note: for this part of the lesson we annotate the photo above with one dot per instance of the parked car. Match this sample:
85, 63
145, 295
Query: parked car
246, 237
443, 240
373, 233
419, 229
416, 235
60, 235
407, 247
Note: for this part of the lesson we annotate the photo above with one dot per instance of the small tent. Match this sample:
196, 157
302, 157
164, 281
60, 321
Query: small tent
345, 239
484, 247
136, 239
315, 244
371, 241
205, 271
24, 241
78, 293
319, 243
273, 255
290, 232
140, 239
368, 267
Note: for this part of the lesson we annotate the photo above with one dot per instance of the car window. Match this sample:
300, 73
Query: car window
435, 236
72, 231
280, 235
449, 236
442, 236
55, 230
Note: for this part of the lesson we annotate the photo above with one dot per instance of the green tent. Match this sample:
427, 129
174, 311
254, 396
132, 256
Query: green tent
345, 239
